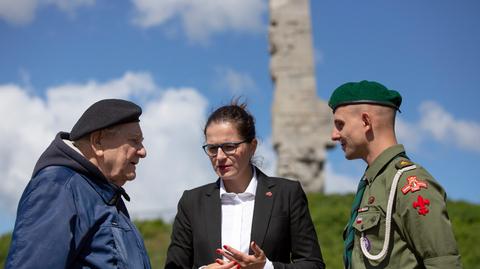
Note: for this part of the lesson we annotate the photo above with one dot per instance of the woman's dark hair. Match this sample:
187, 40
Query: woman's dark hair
237, 114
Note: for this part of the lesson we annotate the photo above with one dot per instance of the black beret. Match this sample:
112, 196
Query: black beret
105, 113
364, 92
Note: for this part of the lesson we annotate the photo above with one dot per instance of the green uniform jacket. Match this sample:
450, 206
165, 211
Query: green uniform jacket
421, 233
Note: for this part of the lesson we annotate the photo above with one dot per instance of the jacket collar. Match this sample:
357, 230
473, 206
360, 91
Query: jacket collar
382, 160
264, 199
109, 192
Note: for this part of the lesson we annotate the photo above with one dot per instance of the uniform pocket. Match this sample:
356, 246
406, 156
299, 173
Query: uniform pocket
372, 225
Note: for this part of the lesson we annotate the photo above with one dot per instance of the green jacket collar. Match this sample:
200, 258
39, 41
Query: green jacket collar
382, 160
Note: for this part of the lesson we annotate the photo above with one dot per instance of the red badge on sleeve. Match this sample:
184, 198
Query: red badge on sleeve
413, 185
422, 205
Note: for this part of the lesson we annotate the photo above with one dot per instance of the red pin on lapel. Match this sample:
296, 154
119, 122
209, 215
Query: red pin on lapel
269, 193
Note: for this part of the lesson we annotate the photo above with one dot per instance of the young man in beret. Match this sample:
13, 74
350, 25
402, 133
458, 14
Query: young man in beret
399, 217
71, 214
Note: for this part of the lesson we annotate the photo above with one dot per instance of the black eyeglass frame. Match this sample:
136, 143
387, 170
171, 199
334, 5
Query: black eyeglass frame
217, 146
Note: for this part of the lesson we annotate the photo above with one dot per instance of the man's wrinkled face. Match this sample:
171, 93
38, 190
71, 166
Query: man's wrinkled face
122, 149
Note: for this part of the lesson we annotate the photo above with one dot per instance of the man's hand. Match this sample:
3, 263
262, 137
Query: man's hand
255, 261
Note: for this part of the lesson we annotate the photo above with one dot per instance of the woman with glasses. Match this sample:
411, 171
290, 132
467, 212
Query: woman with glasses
245, 219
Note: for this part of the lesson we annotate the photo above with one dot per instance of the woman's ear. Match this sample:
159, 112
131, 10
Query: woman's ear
254, 144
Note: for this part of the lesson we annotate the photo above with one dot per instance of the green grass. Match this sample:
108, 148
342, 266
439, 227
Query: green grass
329, 214
156, 234
4, 244
465, 219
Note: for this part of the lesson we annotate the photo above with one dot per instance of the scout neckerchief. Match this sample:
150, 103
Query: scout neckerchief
350, 234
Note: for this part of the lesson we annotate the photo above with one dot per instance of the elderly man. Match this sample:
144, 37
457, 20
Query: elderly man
71, 214
399, 217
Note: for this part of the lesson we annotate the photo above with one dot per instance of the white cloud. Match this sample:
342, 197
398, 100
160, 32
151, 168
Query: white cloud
235, 81
21, 12
175, 161
172, 123
408, 134
435, 120
445, 128
201, 18
25, 133
466, 135
437, 123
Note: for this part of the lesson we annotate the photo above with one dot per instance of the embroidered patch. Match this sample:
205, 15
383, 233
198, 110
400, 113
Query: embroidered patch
421, 204
413, 185
403, 163
363, 209
371, 199
359, 220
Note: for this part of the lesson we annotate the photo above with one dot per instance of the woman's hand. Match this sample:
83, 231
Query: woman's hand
255, 261
220, 264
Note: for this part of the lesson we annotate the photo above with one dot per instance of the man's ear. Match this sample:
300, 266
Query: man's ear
96, 139
367, 121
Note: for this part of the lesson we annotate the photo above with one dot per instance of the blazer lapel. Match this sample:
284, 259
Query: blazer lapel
264, 199
213, 217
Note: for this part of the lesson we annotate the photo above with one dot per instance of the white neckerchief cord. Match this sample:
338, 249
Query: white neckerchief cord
388, 221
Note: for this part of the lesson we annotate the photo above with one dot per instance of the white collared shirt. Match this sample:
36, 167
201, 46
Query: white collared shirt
237, 216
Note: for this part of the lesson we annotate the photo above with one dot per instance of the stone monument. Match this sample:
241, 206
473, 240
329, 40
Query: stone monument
301, 122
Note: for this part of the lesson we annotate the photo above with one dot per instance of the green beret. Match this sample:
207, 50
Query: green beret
103, 114
364, 92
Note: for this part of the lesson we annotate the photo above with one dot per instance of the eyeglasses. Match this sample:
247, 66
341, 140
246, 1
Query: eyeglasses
228, 148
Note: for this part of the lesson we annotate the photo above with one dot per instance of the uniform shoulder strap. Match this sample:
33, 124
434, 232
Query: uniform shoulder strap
403, 163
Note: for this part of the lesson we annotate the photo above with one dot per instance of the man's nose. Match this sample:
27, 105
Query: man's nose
142, 152
335, 135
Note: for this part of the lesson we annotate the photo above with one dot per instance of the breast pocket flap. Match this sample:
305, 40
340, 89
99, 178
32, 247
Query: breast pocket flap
366, 221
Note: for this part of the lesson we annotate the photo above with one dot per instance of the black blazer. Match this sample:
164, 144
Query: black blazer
281, 226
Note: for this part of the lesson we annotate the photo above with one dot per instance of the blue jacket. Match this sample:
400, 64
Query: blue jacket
70, 216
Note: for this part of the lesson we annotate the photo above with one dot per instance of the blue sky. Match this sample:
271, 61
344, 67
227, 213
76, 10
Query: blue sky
179, 59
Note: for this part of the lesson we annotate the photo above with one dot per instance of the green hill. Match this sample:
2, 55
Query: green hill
329, 213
